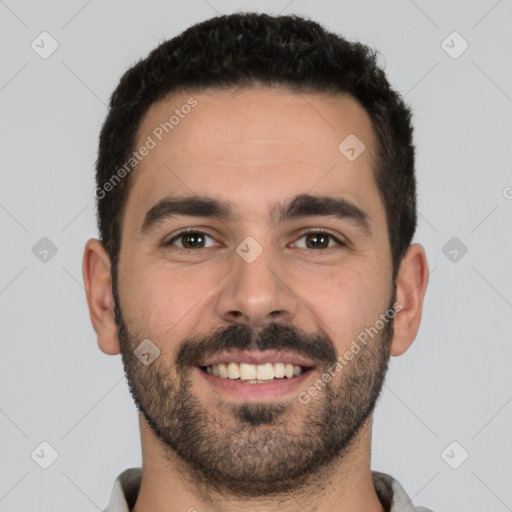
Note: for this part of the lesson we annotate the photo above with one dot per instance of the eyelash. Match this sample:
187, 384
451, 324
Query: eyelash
301, 235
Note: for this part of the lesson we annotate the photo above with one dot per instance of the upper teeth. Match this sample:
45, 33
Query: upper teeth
244, 371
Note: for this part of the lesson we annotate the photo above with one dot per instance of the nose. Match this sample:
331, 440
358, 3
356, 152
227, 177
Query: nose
256, 292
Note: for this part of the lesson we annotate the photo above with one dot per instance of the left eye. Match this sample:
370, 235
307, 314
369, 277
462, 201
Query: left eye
318, 240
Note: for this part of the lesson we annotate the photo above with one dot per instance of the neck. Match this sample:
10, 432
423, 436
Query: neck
344, 486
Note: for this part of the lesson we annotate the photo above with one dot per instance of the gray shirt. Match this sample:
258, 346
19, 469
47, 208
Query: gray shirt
390, 493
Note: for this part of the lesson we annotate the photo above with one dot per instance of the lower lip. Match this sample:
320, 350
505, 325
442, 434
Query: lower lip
241, 390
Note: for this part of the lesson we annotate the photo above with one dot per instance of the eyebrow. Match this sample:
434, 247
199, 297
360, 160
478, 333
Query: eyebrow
300, 206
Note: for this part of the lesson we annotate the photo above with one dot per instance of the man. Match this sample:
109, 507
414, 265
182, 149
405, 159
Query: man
256, 206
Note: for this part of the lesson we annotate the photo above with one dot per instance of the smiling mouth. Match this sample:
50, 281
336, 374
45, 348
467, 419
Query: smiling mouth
255, 374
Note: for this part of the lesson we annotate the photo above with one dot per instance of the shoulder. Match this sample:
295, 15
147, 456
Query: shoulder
125, 491
392, 495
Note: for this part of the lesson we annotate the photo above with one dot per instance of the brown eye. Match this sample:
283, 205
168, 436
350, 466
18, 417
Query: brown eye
190, 240
318, 240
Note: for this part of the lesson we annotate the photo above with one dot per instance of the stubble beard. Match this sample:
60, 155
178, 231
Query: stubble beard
249, 450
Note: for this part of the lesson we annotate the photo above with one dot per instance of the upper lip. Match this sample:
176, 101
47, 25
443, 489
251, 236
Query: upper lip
257, 358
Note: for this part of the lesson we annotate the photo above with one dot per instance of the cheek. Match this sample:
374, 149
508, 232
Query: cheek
161, 299
346, 300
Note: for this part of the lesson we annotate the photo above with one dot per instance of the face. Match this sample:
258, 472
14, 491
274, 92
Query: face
286, 260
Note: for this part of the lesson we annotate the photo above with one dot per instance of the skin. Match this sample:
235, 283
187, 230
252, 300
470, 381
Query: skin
256, 148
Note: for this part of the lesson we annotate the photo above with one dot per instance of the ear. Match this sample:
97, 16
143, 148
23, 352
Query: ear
411, 285
98, 288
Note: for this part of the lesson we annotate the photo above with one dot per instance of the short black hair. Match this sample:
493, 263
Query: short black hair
245, 50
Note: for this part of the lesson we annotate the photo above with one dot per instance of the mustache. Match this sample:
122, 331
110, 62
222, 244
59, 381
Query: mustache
273, 336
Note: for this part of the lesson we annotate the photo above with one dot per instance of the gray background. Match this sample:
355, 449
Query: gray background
454, 384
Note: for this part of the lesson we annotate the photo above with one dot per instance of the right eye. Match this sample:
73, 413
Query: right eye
190, 239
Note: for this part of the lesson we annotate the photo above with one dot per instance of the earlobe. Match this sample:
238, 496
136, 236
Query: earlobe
411, 285
98, 287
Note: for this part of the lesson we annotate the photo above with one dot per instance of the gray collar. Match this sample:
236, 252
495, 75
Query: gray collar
391, 494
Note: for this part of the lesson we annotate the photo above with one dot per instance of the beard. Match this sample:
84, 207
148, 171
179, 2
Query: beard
250, 450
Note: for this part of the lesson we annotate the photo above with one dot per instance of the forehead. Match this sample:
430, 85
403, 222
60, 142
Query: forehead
253, 147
